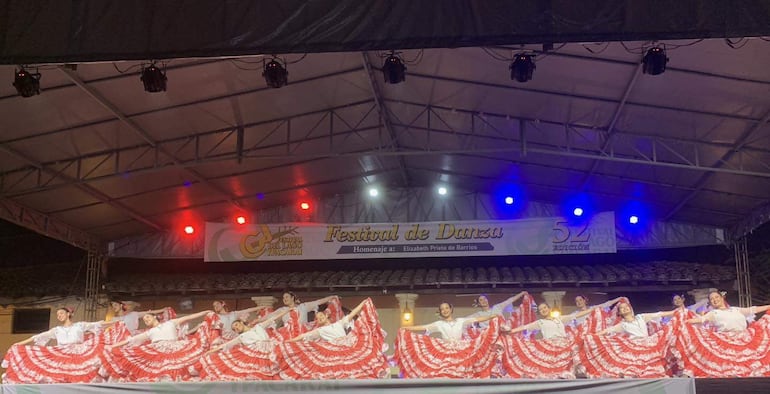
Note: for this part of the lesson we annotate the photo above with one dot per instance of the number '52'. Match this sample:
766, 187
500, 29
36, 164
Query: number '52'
561, 233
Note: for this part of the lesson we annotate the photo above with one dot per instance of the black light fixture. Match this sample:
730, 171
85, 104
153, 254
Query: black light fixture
654, 61
153, 78
522, 67
275, 74
26, 83
393, 69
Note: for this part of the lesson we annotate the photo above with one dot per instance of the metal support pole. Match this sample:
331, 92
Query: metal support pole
742, 271
93, 268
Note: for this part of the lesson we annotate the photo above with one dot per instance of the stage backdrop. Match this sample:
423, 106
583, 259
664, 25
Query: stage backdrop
314, 241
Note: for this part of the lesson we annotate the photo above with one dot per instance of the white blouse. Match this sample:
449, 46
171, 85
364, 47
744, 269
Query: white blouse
130, 319
163, 332
551, 328
68, 335
636, 327
450, 330
730, 319
227, 320
495, 310
334, 330
250, 337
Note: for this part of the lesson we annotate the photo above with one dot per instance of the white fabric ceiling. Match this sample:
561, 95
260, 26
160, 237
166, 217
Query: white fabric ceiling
97, 152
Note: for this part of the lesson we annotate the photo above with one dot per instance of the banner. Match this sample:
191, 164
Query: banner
314, 241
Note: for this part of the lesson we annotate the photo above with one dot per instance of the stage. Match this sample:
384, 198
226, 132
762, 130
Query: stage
422, 386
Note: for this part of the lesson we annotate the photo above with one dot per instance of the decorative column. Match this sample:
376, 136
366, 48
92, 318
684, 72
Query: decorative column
406, 307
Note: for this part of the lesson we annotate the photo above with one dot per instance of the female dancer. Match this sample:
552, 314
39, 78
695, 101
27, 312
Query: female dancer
336, 354
250, 356
550, 357
166, 357
451, 356
125, 311
578, 318
295, 322
483, 302
636, 354
227, 317
731, 349
75, 358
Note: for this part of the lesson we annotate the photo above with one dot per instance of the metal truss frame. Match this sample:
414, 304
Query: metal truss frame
743, 272
47, 225
93, 270
680, 153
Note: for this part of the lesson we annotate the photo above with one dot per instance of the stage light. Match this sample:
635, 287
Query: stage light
509, 200
407, 314
189, 229
275, 74
27, 84
240, 220
442, 190
393, 69
373, 192
577, 211
555, 314
633, 219
153, 78
654, 61
304, 206
523, 67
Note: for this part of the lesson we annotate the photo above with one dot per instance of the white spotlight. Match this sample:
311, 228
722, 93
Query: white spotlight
633, 219
509, 200
373, 192
578, 211
442, 190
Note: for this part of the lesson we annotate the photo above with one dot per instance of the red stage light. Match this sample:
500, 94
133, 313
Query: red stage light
240, 220
305, 206
189, 229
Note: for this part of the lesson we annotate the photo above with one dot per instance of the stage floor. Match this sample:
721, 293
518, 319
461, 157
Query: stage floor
417, 386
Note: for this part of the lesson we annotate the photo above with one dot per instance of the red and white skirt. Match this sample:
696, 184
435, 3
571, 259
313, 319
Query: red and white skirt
702, 352
245, 362
422, 356
158, 361
76, 363
358, 355
621, 356
538, 358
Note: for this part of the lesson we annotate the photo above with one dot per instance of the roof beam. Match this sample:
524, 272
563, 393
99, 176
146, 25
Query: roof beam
384, 116
173, 106
608, 134
723, 115
156, 164
93, 192
563, 151
47, 225
143, 133
701, 182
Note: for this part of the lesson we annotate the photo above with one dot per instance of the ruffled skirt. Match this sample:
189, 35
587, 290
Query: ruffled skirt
358, 355
538, 358
158, 361
76, 363
422, 356
701, 352
245, 362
